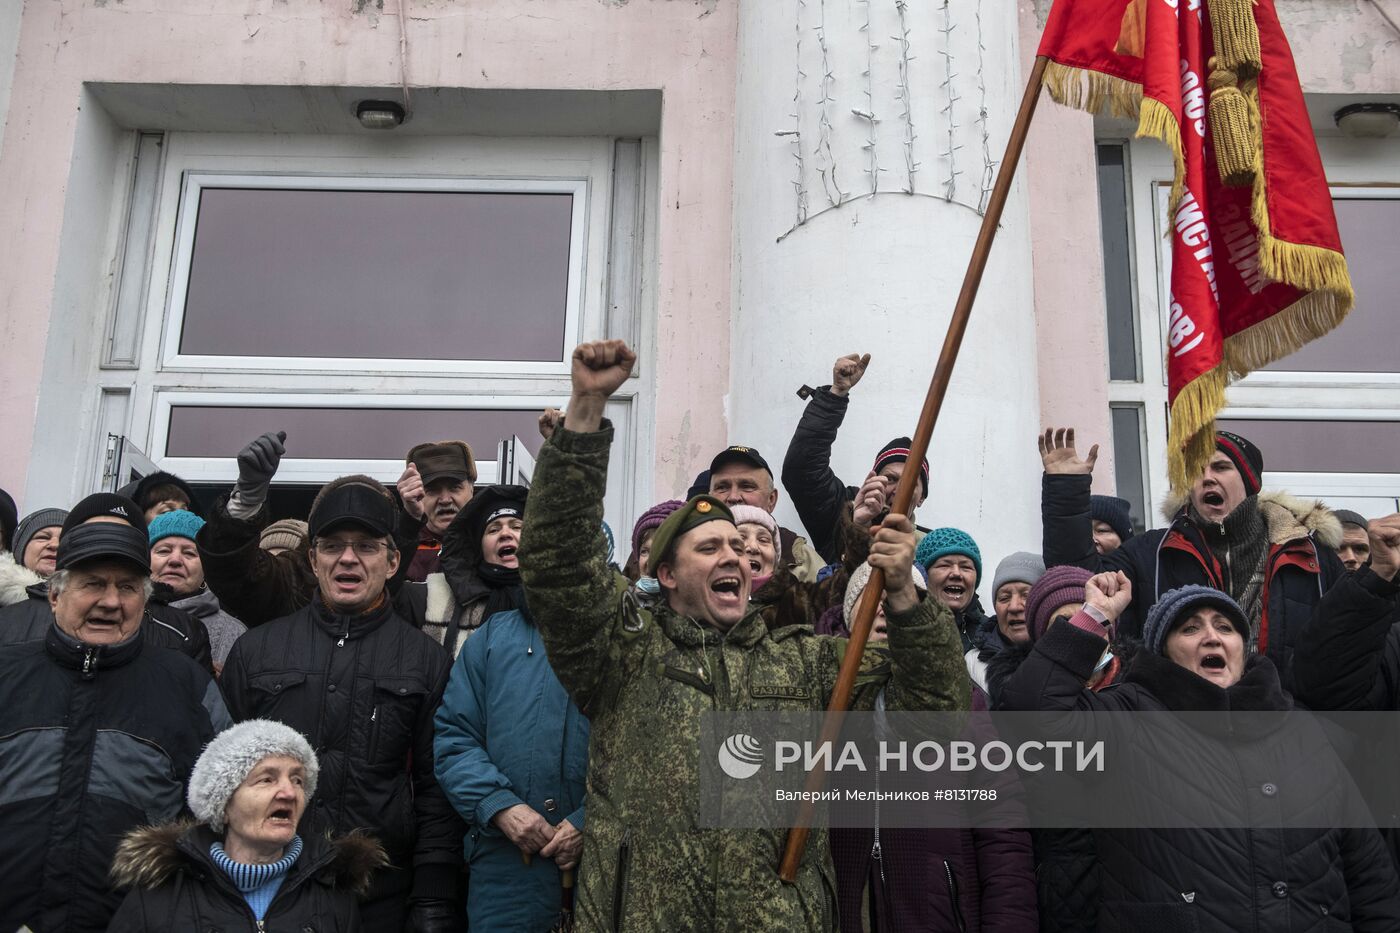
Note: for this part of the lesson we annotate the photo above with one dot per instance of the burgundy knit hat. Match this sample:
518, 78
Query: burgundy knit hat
1060, 585
652, 518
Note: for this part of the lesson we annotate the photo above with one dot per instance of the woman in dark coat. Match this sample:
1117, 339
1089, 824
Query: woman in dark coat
243, 866
1193, 658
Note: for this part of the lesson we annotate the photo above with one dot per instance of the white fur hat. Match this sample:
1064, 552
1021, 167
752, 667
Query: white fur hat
233, 753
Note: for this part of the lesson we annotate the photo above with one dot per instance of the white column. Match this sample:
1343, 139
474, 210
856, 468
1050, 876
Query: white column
880, 274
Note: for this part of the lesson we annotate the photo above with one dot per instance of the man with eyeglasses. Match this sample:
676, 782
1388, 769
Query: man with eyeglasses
362, 684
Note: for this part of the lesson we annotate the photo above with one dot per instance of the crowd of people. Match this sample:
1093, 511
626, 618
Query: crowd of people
439, 707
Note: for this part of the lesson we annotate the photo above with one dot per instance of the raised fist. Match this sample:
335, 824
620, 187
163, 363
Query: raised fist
846, 372
601, 367
257, 463
1110, 593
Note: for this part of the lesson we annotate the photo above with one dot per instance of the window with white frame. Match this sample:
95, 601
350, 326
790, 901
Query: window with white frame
1326, 418
365, 300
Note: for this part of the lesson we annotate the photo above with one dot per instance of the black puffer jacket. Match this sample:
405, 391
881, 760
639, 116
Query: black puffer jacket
1301, 562
176, 887
94, 742
1273, 880
255, 587
1349, 659
816, 492
363, 690
163, 624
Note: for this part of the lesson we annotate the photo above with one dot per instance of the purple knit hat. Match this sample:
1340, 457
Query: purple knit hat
1060, 585
652, 518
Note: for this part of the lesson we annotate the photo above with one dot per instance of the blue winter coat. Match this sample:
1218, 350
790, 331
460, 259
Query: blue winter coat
507, 733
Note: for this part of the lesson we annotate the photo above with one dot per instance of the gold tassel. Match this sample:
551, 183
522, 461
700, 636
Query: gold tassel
1191, 428
1231, 128
1236, 36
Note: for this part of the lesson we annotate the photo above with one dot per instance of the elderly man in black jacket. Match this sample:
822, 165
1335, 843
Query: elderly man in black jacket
362, 685
166, 626
816, 491
99, 730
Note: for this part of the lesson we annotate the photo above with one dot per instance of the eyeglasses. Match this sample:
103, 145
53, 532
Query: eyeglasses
329, 547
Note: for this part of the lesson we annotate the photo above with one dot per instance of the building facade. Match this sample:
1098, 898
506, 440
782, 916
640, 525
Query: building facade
201, 241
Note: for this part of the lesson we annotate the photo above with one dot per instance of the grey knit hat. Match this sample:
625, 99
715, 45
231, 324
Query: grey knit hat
233, 753
1021, 567
31, 525
287, 533
1181, 602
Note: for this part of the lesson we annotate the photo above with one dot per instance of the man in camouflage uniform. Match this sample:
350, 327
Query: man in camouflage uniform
644, 677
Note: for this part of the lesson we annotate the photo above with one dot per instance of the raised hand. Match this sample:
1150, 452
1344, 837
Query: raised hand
1058, 455
411, 491
599, 369
892, 550
871, 499
1385, 546
1110, 593
846, 372
550, 419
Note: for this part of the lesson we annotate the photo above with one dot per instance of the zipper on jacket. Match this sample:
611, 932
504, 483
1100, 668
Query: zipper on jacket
953, 896
89, 663
341, 643
876, 852
624, 859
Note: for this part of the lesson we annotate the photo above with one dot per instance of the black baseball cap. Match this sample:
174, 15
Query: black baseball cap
739, 454
103, 541
353, 503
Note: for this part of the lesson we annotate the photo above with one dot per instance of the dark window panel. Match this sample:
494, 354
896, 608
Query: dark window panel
1322, 446
1118, 280
1365, 342
1127, 461
438, 275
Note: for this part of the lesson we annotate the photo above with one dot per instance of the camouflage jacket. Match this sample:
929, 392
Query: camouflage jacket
645, 676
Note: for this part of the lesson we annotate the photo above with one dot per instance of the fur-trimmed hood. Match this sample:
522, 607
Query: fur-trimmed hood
1287, 517
152, 855
14, 579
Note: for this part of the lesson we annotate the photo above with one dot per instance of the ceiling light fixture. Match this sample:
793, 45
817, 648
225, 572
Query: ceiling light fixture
379, 114
1368, 120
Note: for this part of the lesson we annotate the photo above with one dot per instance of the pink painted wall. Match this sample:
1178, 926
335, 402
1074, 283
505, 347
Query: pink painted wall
684, 47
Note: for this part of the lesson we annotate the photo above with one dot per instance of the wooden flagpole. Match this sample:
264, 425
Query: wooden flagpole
904, 493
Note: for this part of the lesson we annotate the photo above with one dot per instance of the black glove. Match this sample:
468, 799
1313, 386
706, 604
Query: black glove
257, 464
436, 917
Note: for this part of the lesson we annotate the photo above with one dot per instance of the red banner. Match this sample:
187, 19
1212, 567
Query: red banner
1257, 265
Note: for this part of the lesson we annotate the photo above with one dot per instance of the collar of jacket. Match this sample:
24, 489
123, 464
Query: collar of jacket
1180, 690
39, 590
688, 633
90, 659
358, 625
201, 604
1286, 518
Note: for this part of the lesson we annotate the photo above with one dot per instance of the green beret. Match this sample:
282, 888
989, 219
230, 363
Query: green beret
703, 508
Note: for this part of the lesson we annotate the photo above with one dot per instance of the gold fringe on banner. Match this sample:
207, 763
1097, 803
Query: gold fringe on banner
1231, 128
1191, 427
1286, 332
1091, 91
1236, 36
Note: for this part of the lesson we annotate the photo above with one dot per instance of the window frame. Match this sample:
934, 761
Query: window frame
193, 185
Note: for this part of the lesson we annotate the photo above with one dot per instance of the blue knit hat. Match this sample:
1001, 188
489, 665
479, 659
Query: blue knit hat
944, 541
176, 524
1181, 602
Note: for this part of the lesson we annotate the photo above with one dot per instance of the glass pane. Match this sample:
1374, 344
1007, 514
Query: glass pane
345, 433
1118, 281
1365, 342
1322, 446
1127, 461
439, 275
